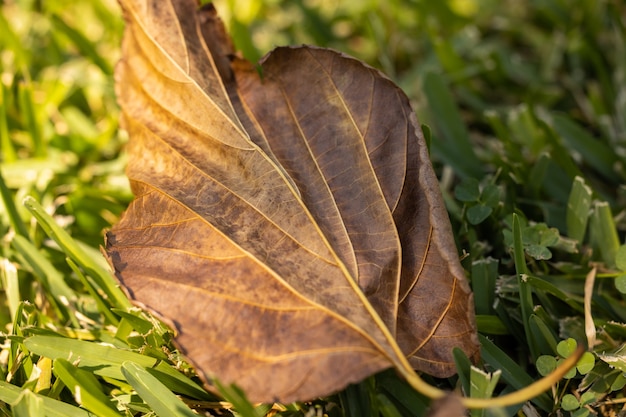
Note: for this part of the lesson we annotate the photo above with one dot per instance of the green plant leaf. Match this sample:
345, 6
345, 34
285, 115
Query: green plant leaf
468, 190
619, 382
386, 406
154, 393
10, 284
525, 290
586, 363
482, 386
85, 387
569, 402
538, 252
566, 347
106, 361
620, 258
545, 364
53, 408
490, 196
596, 152
604, 233
103, 278
238, 399
578, 209
512, 373
48, 275
454, 147
28, 405
478, 213
9, 205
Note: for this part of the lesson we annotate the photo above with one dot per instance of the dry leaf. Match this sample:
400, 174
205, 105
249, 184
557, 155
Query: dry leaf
448, 406
290, 227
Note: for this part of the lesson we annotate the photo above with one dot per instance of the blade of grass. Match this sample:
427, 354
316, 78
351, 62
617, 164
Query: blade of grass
525, 290
6, 147
28, 405
454, 147
154, 393
545, 286
11, 286
490, 324
463, 366
12, 42
604, 233
386, 406
97, 297
512, 373
85, 387
482, 386
484, 275
49, 276
355, 400
85, 47
578, 209
44, 365
106, 361
9, 205
402, 394
102, 277
27, 109
595, 152
237, 398
545, 338
53, 408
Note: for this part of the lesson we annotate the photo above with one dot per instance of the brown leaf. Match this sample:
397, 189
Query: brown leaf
291, 228
448, 406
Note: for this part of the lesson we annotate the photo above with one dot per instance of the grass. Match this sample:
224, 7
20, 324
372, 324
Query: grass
526, 105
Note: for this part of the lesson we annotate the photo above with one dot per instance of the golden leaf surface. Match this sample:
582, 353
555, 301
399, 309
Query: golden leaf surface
289, 226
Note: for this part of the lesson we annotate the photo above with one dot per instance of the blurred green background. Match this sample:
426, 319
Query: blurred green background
523, 102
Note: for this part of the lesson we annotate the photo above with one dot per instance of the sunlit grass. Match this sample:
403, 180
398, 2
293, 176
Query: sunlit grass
526, 105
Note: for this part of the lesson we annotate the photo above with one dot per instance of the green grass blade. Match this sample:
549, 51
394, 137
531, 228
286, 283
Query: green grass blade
11, 286
402, 394
595, 152
512, 373
578, 209
490, 324
10, 41
463, 366
53, 408
86, 48
237, 398
355, 400
154, 393
544, 337
484, 275
9, 205
97, 297
482, 386
604, 233
102, 277
525, 290
454, 147
85, 387
106, 361
6, 147
28, 405
28, 111
51, 279
386, 406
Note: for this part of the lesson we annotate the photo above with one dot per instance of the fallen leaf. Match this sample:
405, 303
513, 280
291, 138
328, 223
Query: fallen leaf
289, 226
448, 406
